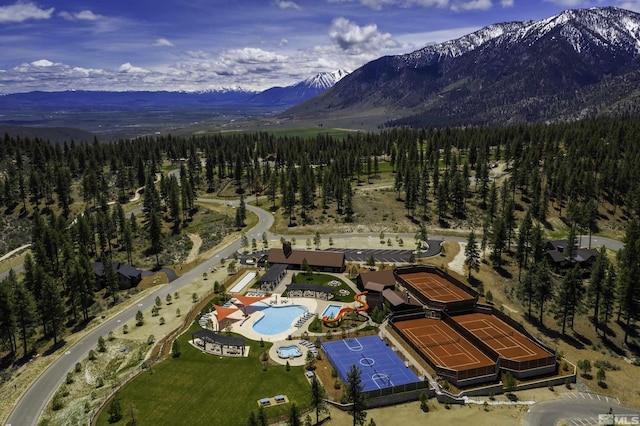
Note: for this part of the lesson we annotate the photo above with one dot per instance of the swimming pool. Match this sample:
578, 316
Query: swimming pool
331, 311
277, 319
289, 351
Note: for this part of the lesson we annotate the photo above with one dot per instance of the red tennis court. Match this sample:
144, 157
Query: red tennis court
443, 346
502, 338
436, 288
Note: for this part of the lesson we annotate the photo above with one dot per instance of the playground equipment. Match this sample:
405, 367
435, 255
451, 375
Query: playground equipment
346, 309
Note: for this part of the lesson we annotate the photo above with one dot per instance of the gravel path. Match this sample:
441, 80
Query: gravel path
195, 249
457, 264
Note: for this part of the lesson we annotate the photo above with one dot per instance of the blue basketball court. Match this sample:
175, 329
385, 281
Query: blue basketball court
380, 367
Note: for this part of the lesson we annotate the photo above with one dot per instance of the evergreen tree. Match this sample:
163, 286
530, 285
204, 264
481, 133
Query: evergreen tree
115, 409
355, 395
542, 288
7, 314
596, 282
25, 312
629, 269
568, 299
317, 398
293, 418
471, 255
607, 297
53, 308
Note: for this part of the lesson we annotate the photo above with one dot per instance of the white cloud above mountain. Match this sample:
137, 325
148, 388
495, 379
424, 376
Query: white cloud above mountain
23, 11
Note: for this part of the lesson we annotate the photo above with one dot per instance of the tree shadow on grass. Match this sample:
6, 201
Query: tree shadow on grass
54, 348
582, 338
503, 272
609, 344
555, 334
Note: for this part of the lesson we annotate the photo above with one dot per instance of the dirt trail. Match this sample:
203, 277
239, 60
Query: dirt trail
195, 250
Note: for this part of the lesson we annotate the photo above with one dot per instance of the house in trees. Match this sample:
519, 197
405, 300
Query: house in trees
558, 256
128, 276
320, 261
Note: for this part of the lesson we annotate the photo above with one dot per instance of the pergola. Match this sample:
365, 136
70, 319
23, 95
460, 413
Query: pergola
234, 345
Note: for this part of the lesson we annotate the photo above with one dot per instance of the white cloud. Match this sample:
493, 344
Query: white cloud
130, 69
85, 15
568, 3
42, 63
284, 4
630, 5
353, 38
506, 3
252, 55
472, 5
162, 42
23, 11
380, 4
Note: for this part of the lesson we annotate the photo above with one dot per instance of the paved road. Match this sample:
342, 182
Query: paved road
33, 402
575, 409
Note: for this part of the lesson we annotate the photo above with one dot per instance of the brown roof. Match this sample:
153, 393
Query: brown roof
385, 277
393, 297
314, 258
377, 287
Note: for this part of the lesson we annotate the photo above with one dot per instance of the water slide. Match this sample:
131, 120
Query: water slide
346, 309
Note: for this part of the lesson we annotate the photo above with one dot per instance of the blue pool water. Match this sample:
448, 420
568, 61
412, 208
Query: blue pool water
278, 319
331, 311
289, 351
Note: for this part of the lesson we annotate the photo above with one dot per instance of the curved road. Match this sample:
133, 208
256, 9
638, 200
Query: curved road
28, 409
581, 409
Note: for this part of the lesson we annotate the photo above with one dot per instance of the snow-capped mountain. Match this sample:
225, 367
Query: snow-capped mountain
299, 92
324, 80
506, 72
277, 97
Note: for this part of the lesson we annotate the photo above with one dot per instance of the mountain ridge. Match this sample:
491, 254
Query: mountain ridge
504, 73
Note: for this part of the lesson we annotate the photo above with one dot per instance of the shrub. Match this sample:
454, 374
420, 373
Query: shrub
92, 355
78, 367
162, 321
57, 404
125, 329
69, 378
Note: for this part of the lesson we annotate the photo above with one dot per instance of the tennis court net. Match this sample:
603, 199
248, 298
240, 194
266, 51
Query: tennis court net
440, 343
496, 336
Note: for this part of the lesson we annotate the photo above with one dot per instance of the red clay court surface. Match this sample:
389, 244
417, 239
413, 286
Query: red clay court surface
443, 345
435, 287
501, 337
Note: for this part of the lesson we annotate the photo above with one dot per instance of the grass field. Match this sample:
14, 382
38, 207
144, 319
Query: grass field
200, 388
323, 279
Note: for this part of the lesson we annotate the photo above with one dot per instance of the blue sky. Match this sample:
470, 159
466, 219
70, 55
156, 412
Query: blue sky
209, 44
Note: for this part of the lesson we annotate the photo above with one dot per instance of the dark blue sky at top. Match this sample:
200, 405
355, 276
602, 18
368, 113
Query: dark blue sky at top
199, 44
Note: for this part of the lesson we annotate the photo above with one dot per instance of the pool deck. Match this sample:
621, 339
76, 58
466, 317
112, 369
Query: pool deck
317, 306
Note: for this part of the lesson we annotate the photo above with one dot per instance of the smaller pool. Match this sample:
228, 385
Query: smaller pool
331, 311
289, 351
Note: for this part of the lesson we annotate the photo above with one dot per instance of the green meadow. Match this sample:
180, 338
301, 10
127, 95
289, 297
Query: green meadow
199, 389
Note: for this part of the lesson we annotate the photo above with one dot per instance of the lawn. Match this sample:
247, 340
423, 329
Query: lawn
199, 388
323, 279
